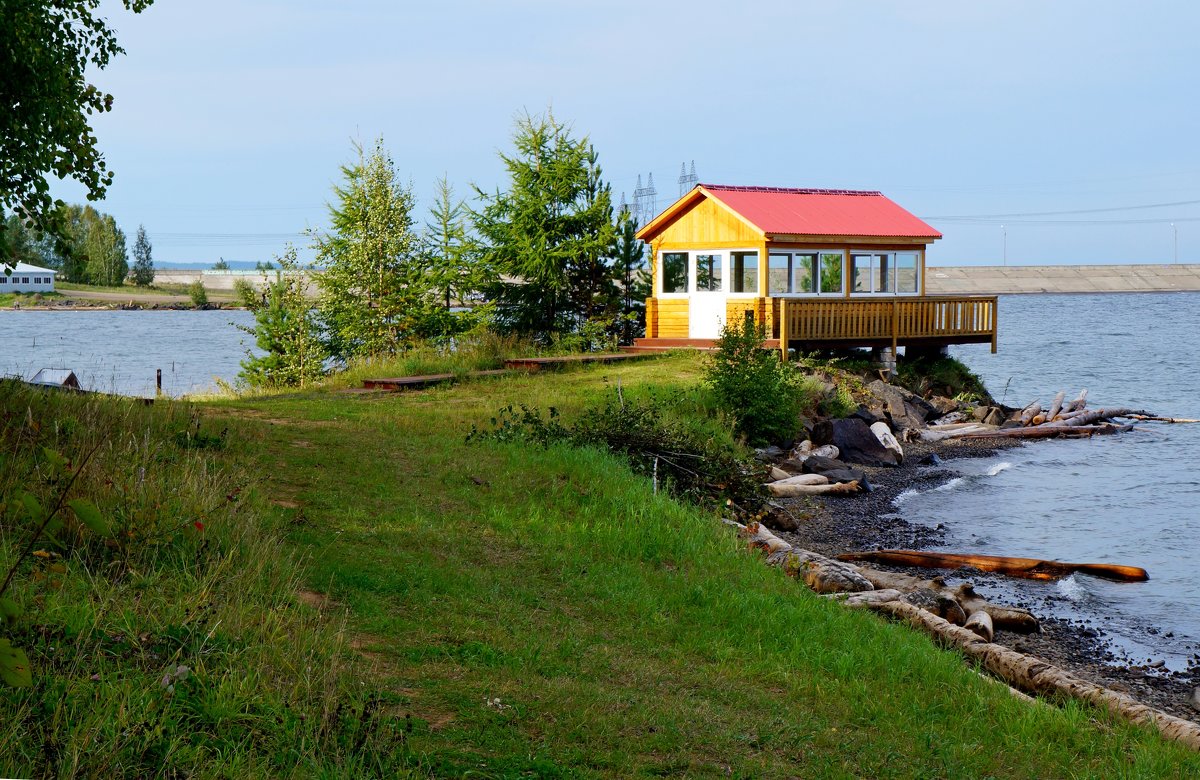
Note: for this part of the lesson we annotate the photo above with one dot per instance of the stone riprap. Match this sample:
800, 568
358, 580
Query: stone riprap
1004, 280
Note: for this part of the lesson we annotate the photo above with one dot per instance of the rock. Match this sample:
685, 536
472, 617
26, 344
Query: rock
822, 432
819, 464
1195, 700
932, 459
834, 470
943, 405
869, 416
904, 410
950, 419
857, 444
993, 416
769, 454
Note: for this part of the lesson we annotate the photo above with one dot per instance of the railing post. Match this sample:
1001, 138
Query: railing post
995, 322
783, 329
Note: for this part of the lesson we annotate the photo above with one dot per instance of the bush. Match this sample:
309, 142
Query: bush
928, 375
681, 459
197, 293
762, 394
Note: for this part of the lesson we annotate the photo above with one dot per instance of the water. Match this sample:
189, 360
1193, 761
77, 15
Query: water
119, 351
1131, 498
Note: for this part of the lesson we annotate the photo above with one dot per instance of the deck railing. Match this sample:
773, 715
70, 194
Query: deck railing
897, 320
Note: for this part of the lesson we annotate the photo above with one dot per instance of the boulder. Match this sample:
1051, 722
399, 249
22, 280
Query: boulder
903, 409
943, 405
835, 471
769, 454
994, 416
857, 444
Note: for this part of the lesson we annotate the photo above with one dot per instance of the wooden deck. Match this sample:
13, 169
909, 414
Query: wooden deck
890, 322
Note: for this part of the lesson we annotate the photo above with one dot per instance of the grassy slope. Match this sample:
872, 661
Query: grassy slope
542, 612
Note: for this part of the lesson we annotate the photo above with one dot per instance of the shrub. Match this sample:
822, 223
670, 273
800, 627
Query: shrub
762, 394
680, 459
197, 293
941, 375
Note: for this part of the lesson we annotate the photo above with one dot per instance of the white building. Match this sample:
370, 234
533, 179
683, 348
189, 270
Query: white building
26, 278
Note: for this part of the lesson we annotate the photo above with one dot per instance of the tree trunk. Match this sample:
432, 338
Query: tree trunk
1029, 412
821, 574
1037, 676
1078, 403
1056, 405
788, 489
1013, 619
1029, 568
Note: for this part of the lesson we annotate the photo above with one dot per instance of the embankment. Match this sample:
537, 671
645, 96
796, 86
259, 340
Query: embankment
1005, 280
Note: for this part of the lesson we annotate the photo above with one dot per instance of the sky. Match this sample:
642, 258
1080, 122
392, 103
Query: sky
231, 119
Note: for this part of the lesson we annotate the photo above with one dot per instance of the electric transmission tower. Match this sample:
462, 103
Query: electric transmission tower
686, 180
645, 207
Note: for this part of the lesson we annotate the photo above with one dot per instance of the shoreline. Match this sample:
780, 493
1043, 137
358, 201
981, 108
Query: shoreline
833, 525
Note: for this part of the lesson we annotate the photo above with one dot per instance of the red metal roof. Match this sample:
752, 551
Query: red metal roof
821, 212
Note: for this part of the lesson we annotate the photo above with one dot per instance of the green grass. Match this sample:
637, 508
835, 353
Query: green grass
504, 611
26, 299
623, 634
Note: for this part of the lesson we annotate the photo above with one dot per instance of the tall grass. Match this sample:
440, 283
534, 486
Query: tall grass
194, 579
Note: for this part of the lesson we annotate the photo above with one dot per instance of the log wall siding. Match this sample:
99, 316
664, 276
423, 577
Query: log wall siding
667, 318
896, 319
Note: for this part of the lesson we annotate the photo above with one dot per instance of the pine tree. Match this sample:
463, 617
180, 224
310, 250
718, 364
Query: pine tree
376, 295
142, 273
285, 329
545, 235
629, 270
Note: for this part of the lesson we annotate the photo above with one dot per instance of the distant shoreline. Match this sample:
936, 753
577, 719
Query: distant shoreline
1061, 279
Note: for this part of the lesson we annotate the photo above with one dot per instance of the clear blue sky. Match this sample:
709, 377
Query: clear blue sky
231, 118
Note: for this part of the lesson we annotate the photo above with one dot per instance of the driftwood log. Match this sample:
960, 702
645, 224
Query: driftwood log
1056, 405
1019, 621
1078, 403
788, 489
1029, 568
1037, 676
821, 574
1047, 431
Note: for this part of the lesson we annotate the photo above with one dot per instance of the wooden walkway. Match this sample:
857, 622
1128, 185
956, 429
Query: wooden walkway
510, 366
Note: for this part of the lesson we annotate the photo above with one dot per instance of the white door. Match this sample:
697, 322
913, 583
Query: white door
706, 311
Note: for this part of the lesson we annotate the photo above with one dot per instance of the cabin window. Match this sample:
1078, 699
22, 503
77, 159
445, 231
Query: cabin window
24, 280
674, 272
885, 272
3, 280
906, 272
745, 272
805, 273
779, 273
709, 273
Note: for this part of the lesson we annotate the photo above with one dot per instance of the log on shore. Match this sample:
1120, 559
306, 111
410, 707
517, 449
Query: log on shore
821, 574
1020, 621
1089, 417
1029, 568
1047, 431
1078, 403
1030, 412
1157, 418
1038, 676
792, 490
1056, 405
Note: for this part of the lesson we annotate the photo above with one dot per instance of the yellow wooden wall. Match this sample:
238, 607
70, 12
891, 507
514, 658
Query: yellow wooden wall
667, 318
708, 224
766, 310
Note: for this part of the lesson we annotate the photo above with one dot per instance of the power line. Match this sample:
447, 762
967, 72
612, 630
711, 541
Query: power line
1059, 213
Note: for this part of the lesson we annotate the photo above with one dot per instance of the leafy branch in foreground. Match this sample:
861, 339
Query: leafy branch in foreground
685, 463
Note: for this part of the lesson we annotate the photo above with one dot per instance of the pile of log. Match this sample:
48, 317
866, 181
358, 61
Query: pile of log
1061, 419
960, 619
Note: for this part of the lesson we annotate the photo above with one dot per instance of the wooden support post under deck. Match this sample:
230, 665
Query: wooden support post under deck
783, 329
995, 323
895, 325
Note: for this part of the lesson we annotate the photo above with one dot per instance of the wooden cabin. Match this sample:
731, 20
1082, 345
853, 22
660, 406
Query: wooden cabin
820, 268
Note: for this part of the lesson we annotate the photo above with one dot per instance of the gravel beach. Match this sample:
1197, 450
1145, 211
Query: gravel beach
866, 521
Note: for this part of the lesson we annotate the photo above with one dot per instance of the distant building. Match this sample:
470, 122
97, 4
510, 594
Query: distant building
26, 278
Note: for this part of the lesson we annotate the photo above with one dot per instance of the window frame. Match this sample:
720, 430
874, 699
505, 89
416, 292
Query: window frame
891, 255
817, 253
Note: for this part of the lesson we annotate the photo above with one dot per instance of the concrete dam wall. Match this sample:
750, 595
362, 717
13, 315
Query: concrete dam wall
1004, 280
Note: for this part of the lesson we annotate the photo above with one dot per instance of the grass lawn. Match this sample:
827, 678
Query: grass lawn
543, 613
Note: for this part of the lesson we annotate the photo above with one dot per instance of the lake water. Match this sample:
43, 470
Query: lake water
119, 351
1133, 498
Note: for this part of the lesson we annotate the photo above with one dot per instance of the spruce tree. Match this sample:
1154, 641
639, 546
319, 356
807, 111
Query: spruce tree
376, 295
629, 270
545, 235
285, 329
142, 272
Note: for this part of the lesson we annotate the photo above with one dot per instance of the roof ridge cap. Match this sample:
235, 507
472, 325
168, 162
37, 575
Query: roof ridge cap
791, 190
